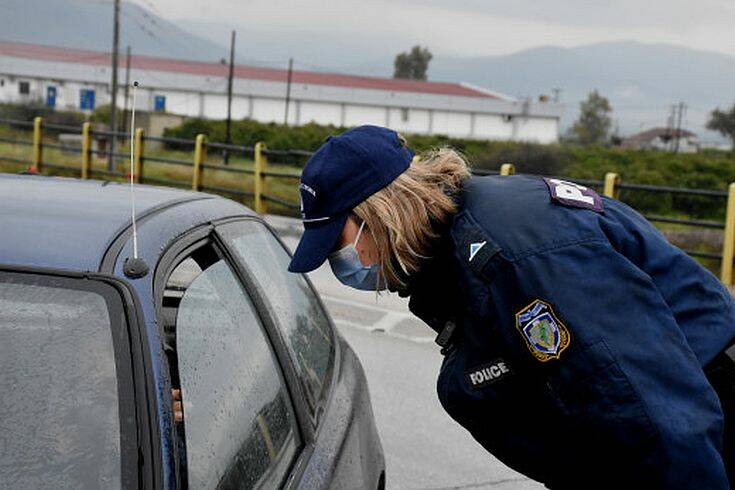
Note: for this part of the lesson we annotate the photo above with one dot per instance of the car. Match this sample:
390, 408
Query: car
102, 330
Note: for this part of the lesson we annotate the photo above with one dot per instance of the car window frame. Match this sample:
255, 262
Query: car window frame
311, 429
176, 253
138, 462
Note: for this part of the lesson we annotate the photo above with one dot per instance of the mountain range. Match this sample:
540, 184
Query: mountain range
641, 81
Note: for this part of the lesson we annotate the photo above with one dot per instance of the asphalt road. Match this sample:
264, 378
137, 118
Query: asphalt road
424, 447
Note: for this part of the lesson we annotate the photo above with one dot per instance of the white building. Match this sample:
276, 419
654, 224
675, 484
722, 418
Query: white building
665, 139
80, 80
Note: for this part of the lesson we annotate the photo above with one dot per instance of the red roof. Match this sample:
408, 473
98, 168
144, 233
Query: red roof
87, 57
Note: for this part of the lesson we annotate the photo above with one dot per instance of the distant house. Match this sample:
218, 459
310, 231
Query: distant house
664, 139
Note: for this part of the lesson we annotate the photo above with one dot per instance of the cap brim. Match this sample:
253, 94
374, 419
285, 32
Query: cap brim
316, 244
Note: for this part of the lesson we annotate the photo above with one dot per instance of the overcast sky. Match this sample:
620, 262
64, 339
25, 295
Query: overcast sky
468, 27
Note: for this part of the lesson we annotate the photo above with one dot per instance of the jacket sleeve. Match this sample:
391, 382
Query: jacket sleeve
702, 307
631, 391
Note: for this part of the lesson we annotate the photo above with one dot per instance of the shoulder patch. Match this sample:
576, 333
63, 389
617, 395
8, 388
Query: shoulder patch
545, 334
574, 195
487, 374
473, 246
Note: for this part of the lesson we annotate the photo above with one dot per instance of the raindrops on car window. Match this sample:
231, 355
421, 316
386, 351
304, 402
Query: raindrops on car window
60, 399
237, 418
300, 315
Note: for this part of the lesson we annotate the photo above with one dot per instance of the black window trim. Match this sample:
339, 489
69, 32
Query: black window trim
263, 302
139, 452
178, 251
311, 434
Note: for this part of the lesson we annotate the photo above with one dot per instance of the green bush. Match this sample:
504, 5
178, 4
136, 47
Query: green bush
704, 170
530, 158
27, 112
247, 132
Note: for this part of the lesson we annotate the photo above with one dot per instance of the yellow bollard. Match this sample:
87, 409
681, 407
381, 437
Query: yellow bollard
612, 180
728, 244
199, 156
138, 155
37, 145
507, 169
86, 149
261, 164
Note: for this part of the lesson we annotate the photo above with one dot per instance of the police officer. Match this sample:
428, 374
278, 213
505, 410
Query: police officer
581, 348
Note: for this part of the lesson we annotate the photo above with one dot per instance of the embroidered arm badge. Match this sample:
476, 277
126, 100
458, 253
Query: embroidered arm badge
545, 334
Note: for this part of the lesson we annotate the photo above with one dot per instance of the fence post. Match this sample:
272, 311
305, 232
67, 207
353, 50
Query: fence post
261, 163
728, 244
37, 144
199, 155
86, 149
138, 156
507, 169
612, 180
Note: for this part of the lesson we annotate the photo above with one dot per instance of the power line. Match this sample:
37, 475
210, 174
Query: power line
682, 108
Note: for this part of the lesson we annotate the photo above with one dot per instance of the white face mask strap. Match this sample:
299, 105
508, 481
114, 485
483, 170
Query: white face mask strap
359, 232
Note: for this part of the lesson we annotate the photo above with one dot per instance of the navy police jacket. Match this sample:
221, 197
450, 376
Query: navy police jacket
580, 340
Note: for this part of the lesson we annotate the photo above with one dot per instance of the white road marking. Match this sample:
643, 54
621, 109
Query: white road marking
360, 304
387, 322
366, 328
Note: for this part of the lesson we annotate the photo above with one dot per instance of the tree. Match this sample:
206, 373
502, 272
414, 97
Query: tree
724, 123
594, 123
412, 64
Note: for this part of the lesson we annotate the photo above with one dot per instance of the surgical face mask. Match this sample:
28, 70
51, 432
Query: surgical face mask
347, 267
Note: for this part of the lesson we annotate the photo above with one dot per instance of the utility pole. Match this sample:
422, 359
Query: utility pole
682, 107
288, 89
228, 128
113, 95
670, 122
557, 94
127, 87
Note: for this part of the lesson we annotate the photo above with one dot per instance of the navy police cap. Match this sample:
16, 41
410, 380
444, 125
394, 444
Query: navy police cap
344, 171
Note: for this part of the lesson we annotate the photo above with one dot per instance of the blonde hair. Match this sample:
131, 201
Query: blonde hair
402, 217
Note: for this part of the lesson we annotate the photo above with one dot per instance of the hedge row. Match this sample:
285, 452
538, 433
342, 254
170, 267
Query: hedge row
27, 112
704, 170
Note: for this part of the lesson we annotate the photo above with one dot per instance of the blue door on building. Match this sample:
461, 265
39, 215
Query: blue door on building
50, 96
159, 103
86, 99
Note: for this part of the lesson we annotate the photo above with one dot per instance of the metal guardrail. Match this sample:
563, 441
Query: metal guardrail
257, 190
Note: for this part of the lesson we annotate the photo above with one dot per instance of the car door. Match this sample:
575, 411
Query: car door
73, 412
292, 304
239, 428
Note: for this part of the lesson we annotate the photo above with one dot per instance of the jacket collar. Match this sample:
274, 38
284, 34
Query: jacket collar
433, 295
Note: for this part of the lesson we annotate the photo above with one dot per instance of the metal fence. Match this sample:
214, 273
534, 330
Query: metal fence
260, 174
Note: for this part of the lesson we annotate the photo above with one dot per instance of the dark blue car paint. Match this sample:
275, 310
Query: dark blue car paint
90, 228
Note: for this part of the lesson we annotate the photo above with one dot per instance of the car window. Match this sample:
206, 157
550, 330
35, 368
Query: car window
238, 422
59, 409
300, 316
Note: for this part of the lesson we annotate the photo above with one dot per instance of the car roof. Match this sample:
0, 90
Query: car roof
66, 223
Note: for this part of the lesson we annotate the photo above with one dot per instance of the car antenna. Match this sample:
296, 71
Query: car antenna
134, 266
